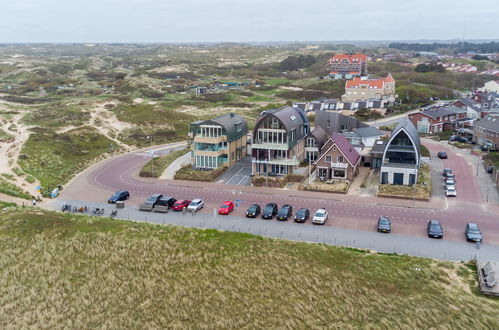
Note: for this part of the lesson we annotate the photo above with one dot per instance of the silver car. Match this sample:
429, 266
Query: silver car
450, 191
195, 205
320, 217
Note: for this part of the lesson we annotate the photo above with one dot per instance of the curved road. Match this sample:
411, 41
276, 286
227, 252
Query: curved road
359, 213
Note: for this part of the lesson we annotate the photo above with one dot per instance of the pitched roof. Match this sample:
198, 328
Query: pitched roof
346, 148
376, 83
470, 103
443, 111
490, 122
351, 58
370, 131
334, 122
320, 135
409, 127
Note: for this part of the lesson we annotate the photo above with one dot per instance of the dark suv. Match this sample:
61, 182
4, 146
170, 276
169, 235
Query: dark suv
269, 211
473, 233
302, 215
166, 201
285, 212
253, 211
119, 196
435, 229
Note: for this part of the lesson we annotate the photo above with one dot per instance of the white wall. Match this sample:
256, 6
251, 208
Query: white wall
392, 170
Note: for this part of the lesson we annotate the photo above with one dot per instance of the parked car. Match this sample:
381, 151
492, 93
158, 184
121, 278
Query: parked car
489, 169
462, 139
447, 171
226, 208
196, 205
180, 204
285, 212
450, 182
442, 155
119, 196
302, 215
153, 200
320, 217
166, 201
473, 233
253, 211
269, 211
384, 225
435, 229
450, 191
453, 138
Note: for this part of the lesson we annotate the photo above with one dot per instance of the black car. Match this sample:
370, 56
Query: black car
473, 233
253, 211
285, 212
489, 169
453, 138
269, 211
384, 225
447, 171
166, 201
462, 139
435, 229
450, 176
153, 200
442, 155
302, 215
119, 196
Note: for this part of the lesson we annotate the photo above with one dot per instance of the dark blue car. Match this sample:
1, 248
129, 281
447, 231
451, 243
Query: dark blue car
119, 196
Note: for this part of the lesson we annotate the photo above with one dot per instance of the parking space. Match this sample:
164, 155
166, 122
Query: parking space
238, 174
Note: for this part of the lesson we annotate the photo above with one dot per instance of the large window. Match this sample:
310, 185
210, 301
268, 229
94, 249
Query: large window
207, 161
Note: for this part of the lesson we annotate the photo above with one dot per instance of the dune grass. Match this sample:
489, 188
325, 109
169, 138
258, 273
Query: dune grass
69, 271
56, 158
11, 189
156, 166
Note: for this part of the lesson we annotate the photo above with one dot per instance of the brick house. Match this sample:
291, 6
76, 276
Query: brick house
348, 66
338, 159
440, 119
373, 88
486, 131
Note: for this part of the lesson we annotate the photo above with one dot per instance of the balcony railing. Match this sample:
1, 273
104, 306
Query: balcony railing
339, 165
278, 161
206, 139
271, 146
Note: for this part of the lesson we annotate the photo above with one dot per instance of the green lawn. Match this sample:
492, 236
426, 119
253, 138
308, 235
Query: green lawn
56, 158
155, 167
69, 271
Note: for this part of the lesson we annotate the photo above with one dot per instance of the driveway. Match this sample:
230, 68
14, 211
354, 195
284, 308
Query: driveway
238, 174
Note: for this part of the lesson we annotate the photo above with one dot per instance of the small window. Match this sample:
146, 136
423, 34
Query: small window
329, 159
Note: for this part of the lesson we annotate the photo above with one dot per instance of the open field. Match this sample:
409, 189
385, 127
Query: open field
62, 270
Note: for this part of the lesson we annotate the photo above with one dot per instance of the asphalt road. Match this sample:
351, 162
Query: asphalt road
347, 212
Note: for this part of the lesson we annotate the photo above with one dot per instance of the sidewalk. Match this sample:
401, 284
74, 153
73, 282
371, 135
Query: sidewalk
170, 171
385, 243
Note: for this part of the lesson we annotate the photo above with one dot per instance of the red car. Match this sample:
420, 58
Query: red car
226, 208
180, 204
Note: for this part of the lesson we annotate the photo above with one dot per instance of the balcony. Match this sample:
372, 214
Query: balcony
205, 139
311, 149
278, 161
210, 152
270, 146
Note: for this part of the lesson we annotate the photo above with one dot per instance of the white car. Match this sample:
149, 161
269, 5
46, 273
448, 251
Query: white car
195, 205
320, 217
450, 191
450, 182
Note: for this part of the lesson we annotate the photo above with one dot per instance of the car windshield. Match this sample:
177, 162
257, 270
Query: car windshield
152, 198
300, 213
116, 195
194, 203
319, 214
179, 202
383, 221
224, 206
252, 208
269, 208
435, 227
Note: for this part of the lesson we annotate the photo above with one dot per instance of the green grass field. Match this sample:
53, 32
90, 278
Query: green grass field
68, 271
56, 158
155, 167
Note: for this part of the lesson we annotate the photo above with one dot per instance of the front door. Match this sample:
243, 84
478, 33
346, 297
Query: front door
398, 178
384, 177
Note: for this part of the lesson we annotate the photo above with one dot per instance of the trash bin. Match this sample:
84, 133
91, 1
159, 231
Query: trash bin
120, 204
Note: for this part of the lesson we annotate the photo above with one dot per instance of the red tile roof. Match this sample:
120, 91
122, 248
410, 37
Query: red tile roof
351, 58
377, 83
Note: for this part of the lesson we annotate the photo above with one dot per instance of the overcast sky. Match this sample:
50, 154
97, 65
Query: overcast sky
245, 20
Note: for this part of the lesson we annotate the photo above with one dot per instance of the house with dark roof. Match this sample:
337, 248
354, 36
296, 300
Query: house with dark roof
489, 102
401, 157
486, 131
472, 107
440, 119
314, 142
279, 141
218, 142
338, 159
334, 122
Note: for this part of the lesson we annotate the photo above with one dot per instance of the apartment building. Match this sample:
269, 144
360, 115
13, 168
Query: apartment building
218, 142
279, 141
348, 66
364, 88
486, 131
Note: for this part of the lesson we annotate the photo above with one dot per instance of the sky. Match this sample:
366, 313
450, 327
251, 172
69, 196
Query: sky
245, 21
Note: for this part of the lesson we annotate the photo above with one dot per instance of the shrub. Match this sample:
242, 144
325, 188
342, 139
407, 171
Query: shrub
155, 167
187, 172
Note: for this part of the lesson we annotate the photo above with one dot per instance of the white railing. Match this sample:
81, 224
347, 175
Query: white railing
339, 165
278, 161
